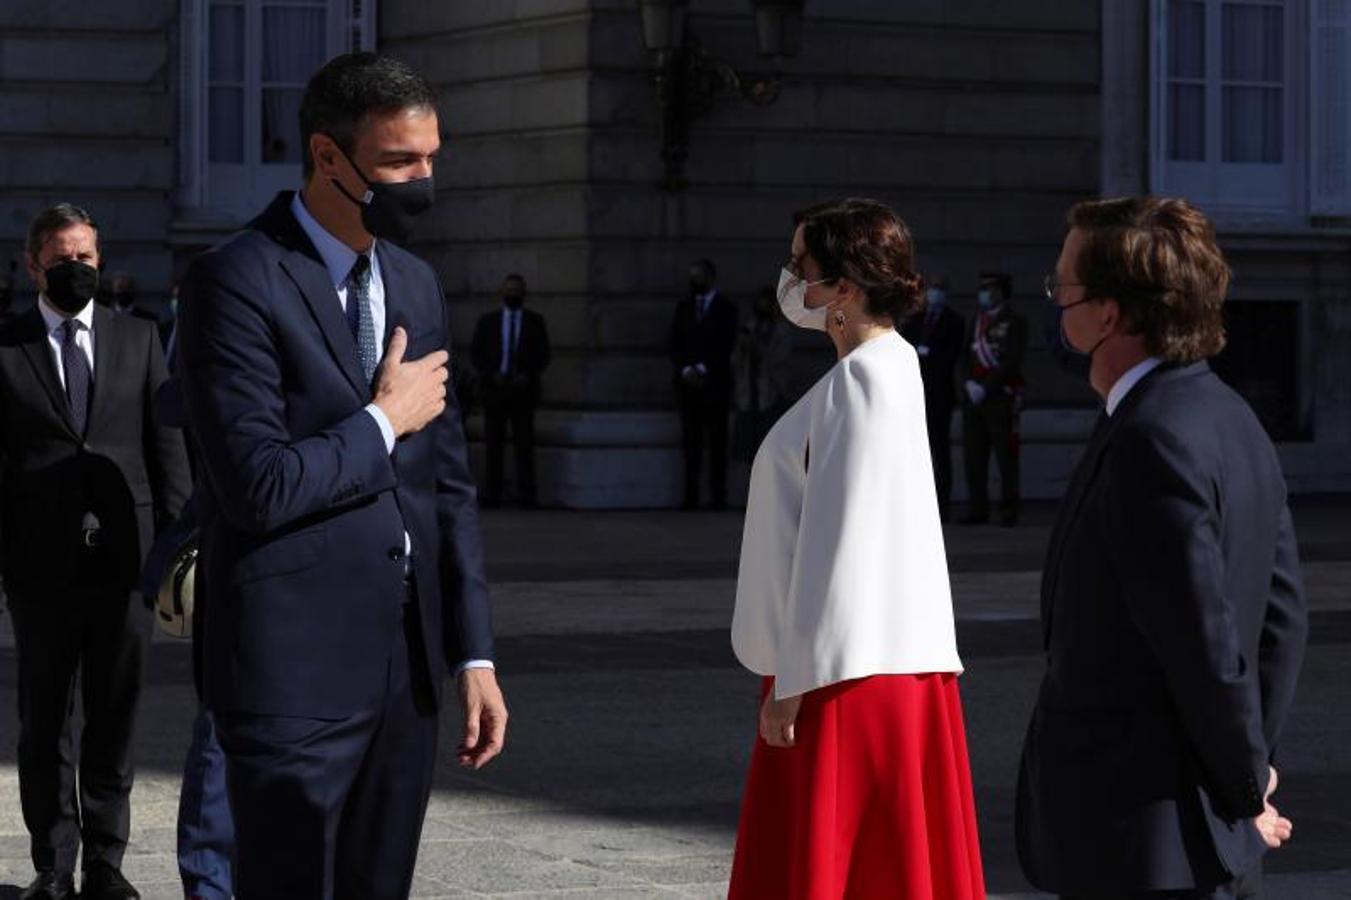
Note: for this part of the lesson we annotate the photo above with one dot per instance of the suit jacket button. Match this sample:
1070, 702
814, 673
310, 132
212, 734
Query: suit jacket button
396, 554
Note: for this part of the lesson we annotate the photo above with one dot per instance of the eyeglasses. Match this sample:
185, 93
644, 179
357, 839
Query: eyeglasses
1051, 285
793, 265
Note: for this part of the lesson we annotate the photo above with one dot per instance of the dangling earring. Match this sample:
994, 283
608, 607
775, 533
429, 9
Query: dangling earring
839, 319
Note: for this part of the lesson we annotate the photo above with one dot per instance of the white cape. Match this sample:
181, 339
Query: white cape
843, 571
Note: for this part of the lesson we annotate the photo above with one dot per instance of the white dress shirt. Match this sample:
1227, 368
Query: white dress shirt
843, 570
1126, 382
84, 337
511, 336
338, 259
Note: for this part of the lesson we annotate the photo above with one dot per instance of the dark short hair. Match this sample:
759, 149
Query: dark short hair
54, 219
1158, 258
709, 267
1002, 279
349, 88
519, 279
865, 241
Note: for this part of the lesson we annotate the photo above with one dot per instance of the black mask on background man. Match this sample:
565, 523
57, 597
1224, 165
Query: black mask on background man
513, 301
70, 285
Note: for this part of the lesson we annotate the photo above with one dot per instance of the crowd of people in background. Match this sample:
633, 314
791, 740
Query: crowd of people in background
733, 377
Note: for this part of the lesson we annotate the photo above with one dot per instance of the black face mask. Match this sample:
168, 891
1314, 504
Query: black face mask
71, 285
1067, 356
389, 208
513, 301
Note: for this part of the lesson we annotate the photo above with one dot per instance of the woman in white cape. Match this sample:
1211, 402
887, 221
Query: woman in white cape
859, 785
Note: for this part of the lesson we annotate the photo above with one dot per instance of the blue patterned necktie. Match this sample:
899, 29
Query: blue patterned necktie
75, 365
359, 317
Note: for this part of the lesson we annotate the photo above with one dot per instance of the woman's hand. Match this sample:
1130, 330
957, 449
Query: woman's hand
777, 718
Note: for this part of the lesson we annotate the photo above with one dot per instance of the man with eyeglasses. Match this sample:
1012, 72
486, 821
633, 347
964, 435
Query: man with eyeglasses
992, 385
1173, 614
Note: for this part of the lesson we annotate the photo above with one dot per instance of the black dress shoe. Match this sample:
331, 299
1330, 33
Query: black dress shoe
104, 882
50, 886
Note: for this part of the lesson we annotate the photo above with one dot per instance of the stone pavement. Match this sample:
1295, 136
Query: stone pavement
632, 723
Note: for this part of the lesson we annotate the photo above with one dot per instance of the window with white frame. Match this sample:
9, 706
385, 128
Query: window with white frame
1329, 118
1226, 103
245, 64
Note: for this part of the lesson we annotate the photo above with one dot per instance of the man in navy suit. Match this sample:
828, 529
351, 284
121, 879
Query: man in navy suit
1172, 605
702, 337
341, 554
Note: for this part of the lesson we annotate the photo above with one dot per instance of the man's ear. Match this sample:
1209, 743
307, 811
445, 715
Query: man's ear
325, 154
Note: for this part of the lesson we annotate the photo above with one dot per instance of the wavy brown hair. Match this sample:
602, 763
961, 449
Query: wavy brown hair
1157, 257
866, 242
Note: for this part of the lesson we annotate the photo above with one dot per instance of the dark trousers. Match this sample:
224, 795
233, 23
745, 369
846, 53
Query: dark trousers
938, 416
703, 421
1247, 886
505, 406
104, 639
206, 833
991, 427
333, 808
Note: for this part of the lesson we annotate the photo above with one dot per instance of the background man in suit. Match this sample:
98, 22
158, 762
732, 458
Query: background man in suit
936, 334
511, 352
703, 334
87, 478
992, 373
341, 554
1172, 605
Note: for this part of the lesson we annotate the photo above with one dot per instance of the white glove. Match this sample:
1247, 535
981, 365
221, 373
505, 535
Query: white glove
975, 393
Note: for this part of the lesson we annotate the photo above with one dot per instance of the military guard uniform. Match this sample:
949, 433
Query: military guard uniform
992, 374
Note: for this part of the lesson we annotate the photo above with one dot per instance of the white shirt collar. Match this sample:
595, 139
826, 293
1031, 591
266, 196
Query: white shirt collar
1129, 380
54, 320
338, 257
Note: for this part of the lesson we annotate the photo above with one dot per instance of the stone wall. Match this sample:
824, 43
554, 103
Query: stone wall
977, 119
86, 116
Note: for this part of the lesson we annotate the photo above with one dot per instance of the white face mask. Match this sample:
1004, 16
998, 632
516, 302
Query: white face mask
985, 297
937, 297
793, 301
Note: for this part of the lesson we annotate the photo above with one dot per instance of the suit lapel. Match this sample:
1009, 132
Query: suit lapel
39, 353
108, 353
306, 269
1084, 476
397, 307
312, 279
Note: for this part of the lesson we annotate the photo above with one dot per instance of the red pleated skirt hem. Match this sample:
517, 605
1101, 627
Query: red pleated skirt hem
874, 802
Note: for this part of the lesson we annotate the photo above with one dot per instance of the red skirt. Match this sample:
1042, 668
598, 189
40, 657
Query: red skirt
874, 802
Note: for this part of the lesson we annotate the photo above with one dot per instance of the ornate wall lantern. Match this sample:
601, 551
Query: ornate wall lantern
689, 79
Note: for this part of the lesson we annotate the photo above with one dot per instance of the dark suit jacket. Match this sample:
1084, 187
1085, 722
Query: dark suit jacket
1174, 625
943, 336
129, 473
303, 511
708, 341
1007, 335
532, 349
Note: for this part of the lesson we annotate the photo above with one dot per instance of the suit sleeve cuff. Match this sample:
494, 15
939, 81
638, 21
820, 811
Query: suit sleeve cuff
386, 429
474, 664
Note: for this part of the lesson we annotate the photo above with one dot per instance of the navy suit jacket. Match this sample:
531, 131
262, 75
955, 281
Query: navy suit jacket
303, 512
1175, 625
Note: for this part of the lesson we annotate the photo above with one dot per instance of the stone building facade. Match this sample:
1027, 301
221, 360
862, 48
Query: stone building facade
981, 121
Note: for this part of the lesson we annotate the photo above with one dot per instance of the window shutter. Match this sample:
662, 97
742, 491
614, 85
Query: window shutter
1330, 94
